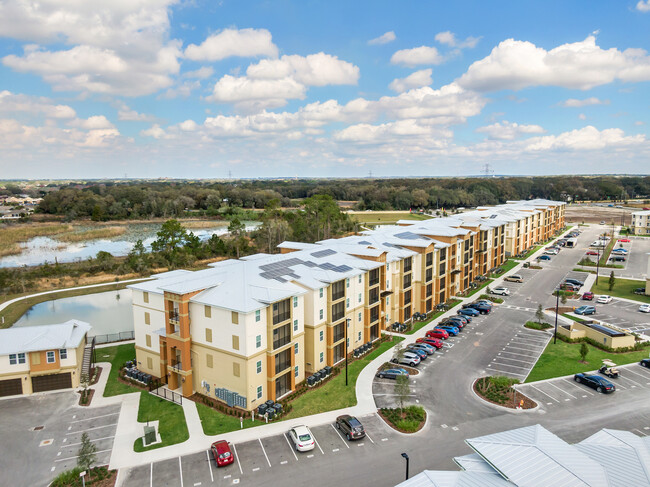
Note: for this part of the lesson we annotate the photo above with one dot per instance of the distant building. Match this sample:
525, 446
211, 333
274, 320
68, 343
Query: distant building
640, 223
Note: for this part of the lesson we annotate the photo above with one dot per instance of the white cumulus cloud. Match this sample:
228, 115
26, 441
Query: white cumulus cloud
383, 39
581, 65
509, 130
233, 42
586, 138
414, 80
12, 103
449, 38
417, 55
574, 103
314, 70
643, 6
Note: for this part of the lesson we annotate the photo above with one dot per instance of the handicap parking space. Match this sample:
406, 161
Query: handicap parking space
520, 353
633, 380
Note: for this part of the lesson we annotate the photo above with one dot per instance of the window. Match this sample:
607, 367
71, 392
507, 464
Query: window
321, 335
347, 282
322, 356
234, 317
387, 284
442, 269
295, 301
235, 342
17, 358
63, 354
407, 281
347, 343
149, 363
208, 361
321, 292
258, 341
258, 316
147, 318
373, 295
281, 311
145, 297
374, 314
338, 290
347, 302
282, 361
359, 297
359, 339
208, 335
407, 264
387, 300
359, 316
208, 311
320, 314
235, 369
429, 259
258, 367
295, 325
50, 357
407, 297
360, 277
429, 290
295, 349
428, 275
259, 392
296, 372
147, 339
387, 266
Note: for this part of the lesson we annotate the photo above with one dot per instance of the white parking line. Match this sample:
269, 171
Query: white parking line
642, 433
151, 475
180, 468
527, 349
76, 456
98, 439
264, 451
507, 372
338, 433
582, 389
241, 472
515, 353
368, 436
316, 441
90, 429
508, 365
539, 390
94, 417
632, 381
636, 373
290, 447
515, 359
562, 390
209, 465
526, 340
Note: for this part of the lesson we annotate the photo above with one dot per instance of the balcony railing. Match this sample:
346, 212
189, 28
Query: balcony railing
173, 317
339, 336
281, 342
281, 366
177, 365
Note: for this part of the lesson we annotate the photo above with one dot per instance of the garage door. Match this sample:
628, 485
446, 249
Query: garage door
51, 382
10, 387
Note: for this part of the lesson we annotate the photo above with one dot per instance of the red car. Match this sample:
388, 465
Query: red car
442, 334
624, 240
588, 296
434, 342
221, 453
592, 252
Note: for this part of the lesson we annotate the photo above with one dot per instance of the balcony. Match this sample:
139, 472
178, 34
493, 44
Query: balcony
174, 317
177, 365
338, 337
281, 342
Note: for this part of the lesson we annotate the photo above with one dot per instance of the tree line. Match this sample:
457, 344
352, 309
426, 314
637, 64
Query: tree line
102, 201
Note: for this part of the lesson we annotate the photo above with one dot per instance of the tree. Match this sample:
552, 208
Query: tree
138, 259
170, 243
612, 281
539, 314
237, 231
584, 350
86, 454
562, 297
402, 389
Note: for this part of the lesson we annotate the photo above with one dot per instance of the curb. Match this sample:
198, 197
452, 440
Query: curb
504, 408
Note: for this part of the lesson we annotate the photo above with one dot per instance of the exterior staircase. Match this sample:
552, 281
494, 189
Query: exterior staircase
87, 361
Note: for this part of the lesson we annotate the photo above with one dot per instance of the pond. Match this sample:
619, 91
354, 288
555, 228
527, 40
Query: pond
40, 250
108, 312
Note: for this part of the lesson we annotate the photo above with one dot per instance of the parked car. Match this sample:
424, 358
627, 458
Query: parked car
591, 252
551, 251
221, 453
458, 324
645, 362
639, 290
408, 358
574, 281
350, 426
437, 333
392, 373
482, 308
503, 291
624, 240
514, 278
485, 302
595, 382
468, 312
588, 296
620, 251
434, 342
452, 330
617, 258
429, 349
604, 299
302, 438
585, 310
544, 257
417, 351
644, 308
598, 243
462, 318
567, 286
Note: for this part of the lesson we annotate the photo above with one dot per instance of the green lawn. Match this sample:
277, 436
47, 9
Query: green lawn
116, 355
624, 288
506, 266
562, 359
418, 325
215, 422
528, 254
171, 421
483, 285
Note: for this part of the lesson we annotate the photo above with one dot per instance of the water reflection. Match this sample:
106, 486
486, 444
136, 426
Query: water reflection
107, 312
44, 249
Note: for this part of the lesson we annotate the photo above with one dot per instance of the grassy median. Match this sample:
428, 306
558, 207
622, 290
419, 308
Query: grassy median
623, 288
172, 427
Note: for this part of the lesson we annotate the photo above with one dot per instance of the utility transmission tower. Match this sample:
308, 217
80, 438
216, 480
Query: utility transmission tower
487, 170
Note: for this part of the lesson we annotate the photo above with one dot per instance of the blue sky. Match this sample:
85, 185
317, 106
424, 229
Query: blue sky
204, 89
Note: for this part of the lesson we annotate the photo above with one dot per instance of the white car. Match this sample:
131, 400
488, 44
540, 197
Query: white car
302, 438
604, 299
503, 291
551, 252
644, 308
408, 358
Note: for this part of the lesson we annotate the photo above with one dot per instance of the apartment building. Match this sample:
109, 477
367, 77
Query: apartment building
249, 330
640, 224
41, 358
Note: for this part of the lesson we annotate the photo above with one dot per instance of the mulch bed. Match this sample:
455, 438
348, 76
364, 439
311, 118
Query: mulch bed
510, 403
403, 415
92, 373
91, 393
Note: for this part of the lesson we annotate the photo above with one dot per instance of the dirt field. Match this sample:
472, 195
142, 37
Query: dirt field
597, 214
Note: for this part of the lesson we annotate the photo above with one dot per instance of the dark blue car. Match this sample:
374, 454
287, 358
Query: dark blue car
469, 312
595, 382
392, 373
452, 330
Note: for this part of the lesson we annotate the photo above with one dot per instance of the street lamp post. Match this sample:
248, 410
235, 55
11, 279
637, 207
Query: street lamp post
406, 457
347, 323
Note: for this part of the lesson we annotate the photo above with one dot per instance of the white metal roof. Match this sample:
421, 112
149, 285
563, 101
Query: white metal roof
437, 478
44, 337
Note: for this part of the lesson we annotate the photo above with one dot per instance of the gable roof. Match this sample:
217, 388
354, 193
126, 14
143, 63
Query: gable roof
26, 339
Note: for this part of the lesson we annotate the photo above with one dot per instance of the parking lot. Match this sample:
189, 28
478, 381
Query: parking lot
519, 355
634, 380
255, 459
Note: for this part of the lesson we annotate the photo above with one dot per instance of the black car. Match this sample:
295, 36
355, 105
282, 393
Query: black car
574, 282
350, 427
595, 382
458, 324
645, 362
639, 290
481, 308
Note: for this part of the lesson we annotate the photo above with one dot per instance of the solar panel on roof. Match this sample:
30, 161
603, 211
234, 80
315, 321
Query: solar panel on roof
327, 266
323, 253
407, 236
365, 242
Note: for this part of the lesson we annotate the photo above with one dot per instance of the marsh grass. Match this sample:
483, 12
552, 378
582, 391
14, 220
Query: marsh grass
94, 234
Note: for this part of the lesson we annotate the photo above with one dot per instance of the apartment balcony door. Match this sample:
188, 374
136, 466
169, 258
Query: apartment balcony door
282, 385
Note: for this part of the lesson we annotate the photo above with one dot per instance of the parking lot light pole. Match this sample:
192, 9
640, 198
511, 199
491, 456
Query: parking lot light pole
406, 457
597, 264
557, 305
347, 323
